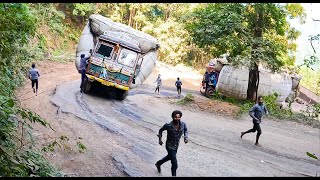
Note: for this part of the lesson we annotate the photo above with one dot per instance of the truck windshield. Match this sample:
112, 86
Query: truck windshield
127, 57
104, 51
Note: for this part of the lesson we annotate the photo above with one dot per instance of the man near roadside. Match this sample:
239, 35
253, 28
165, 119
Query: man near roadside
34, 76
256, 113
159, 84
175, 129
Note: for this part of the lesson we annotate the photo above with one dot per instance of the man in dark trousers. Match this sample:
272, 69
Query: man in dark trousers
82, 69
178, 85
34, 76
256, 113
174, 131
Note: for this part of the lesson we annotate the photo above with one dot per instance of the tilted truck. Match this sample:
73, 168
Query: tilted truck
121, 57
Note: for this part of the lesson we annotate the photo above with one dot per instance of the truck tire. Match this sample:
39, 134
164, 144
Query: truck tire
210, 91
121, 94
86, 85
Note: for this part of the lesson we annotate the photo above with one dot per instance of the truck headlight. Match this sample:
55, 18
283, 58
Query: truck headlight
124, 82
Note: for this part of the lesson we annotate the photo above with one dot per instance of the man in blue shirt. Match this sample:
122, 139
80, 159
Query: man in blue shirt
256, 113
82, 69
175, 129
33, 76
178, 85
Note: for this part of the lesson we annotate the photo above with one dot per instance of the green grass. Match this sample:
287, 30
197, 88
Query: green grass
186, 100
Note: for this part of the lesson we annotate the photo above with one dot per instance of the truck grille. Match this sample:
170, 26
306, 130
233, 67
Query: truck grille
103, 73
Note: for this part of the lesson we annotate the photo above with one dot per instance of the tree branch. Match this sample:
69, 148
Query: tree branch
312, 46
315, 19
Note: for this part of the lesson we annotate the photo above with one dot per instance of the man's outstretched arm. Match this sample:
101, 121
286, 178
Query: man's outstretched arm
164, 127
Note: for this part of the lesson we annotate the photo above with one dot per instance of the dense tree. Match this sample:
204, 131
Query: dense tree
251, 34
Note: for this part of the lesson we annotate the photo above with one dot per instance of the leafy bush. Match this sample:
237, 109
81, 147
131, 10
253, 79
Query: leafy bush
187, 99
310, 117
17, 155
244, 108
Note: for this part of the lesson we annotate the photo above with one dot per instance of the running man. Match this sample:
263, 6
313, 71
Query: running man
159, 83
256, 113
178, 85
34, 76
174, 131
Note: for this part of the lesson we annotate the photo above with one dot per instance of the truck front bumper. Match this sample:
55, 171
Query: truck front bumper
107, 83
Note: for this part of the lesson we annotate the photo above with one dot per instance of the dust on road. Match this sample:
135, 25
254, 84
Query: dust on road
121, 140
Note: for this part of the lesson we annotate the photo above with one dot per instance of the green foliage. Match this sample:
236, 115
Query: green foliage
228, 29
244, 108
49, 15
273, 108
63, 143
83, 9
310, 117
17, 154
186, 100
310, 79
82, 148
312, 155
29, 163
218, 96
311, 61
313, 111
243, 104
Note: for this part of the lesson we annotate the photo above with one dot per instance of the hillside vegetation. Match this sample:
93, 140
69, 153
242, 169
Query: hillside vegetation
31, 32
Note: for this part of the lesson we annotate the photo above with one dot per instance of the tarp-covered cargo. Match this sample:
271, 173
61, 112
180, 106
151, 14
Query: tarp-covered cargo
98, 24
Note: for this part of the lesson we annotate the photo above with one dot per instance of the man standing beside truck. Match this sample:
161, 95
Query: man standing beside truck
82, 69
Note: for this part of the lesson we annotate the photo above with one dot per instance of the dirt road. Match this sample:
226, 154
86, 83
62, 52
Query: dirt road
121, 140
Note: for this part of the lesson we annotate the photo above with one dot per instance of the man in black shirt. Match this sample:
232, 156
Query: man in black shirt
178, 85
175, 129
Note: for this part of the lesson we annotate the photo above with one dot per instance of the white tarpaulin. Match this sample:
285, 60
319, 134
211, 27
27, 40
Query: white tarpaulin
98, 24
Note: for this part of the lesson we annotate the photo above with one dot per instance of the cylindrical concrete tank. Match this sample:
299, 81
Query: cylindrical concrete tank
99, 24
233, 82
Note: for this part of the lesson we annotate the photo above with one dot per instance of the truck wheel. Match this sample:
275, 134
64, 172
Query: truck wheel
121, 94
209, 92
86, 85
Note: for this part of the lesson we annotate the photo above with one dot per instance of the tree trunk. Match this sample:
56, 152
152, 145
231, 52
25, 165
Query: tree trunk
253, 81
131, 17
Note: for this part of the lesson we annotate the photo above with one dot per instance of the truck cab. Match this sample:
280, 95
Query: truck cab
114, 62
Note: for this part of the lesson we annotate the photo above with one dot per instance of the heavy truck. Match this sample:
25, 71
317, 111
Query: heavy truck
120, 57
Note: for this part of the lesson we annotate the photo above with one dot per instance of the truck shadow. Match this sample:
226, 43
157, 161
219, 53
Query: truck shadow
101, 91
